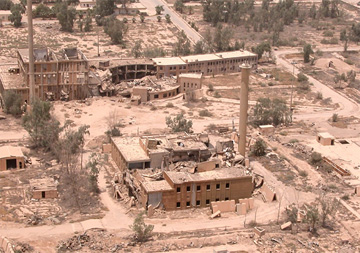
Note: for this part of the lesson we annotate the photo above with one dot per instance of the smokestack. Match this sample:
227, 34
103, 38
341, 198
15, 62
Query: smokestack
245, 73
31, 52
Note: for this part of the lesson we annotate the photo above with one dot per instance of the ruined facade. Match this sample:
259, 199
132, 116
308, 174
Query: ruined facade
62, 76
130, 69
183, 190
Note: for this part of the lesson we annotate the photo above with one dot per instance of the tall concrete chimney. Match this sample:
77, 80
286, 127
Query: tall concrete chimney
245, 73
31, 52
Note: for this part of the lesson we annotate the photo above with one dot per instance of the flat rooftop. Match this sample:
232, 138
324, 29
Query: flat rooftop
10, 151
179, 144
326, 135
5, 12
169, 61
191, 75
130, 149
156, 186
234, 54
42, 184
124, 62
11, 80
219, 174
200, 58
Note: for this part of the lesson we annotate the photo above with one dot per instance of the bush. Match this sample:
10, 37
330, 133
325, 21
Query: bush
328, 33
345, 197
217, 94
302, 78
153, 108
315, 158
142, 231
259, 148
293, 141
319, 95
303, 173
211, 87
205, 113
169, 105
179, 124
335, 117
12, 103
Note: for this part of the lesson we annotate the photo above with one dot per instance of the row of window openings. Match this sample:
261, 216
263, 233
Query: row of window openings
188, 85
198, 187
198, 202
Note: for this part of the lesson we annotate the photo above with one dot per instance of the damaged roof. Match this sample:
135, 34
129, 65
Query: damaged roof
130, 149
219, 174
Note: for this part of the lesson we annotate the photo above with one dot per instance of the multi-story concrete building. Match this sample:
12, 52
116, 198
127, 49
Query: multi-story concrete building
56, 76
206, 64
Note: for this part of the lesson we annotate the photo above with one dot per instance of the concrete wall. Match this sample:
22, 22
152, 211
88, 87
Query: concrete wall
238, 189
206, 166
49, 194
325, 141
223, 206
142, 92
20, 163
164, 93
189, 83
268, 192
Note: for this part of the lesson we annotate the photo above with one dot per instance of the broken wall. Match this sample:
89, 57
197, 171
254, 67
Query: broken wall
223, 206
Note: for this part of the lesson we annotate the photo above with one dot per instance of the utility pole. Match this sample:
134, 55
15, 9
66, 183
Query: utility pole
98, 45
292, 88
245, 73
31, 52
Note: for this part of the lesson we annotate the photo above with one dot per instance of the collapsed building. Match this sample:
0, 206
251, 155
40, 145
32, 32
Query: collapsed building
57, 76
156, 151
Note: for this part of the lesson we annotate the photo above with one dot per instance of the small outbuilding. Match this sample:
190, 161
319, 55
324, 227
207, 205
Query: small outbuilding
44, 188
325, 139
267, 129
11, 158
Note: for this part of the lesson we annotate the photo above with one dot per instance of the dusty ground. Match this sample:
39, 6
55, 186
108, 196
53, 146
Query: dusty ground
47, 34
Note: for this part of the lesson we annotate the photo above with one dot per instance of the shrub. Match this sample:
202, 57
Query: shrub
303, 173
142, 232
319, 95
153, 108
259, 148
169, 105
293, 141
179, 123
335, 117
302, 78
12, 103
345, 197
328, 33
217, 94
211, 87
315, 158
205, 113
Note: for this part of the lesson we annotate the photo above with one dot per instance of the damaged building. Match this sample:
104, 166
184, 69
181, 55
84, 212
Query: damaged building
57, 76
187, 189
156, 151
11, 158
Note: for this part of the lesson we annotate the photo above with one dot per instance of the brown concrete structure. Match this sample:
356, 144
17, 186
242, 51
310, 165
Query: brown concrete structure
267, 129
156, 151
207, 64
4, 16
182, 190
44, 188
268, 193
325, 139
11, 158
223, 206
190, 81
130, 69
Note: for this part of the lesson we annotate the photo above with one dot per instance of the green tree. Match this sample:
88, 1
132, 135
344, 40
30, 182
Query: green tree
116, 30
16, 14
267, 111
92, 166
154, 52
312, 11
312, 216
6, 4
328, 207
43, 11
307, 51
12, 103
43, 129
168, 19
142, 232
259, 147
159, 9
66, 17
159, 18
88, 24
80, 25
179, 6
105, 7
315, 158
136, 51
261, 48
134, 20
183, 45
179, 124
199, 47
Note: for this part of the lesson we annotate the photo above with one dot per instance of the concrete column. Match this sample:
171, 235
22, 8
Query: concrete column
31, 52
245, 73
